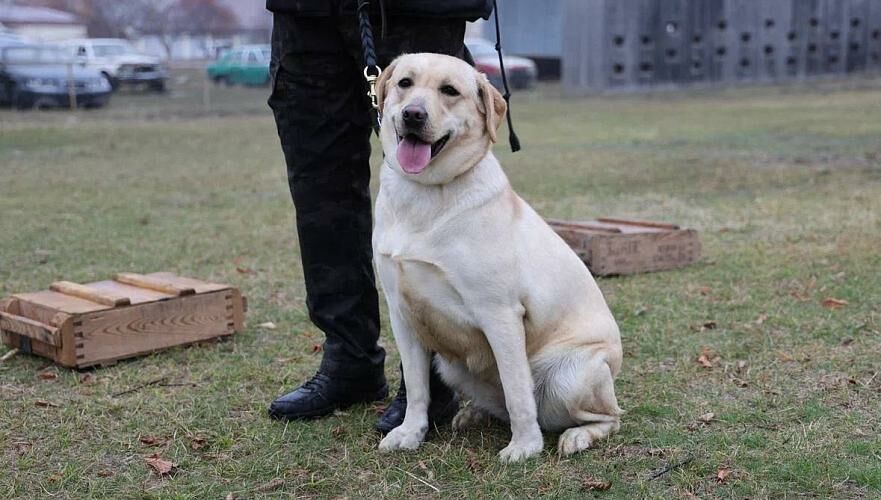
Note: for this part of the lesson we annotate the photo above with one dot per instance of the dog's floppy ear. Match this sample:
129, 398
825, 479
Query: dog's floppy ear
494, 105
383, 82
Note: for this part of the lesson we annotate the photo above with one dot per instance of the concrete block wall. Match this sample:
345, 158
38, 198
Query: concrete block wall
609, 44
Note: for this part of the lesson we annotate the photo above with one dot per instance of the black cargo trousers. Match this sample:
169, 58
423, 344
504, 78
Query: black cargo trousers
324, 122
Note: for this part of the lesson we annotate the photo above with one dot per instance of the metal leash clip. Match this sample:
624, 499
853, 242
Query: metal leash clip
371, 81
371, 93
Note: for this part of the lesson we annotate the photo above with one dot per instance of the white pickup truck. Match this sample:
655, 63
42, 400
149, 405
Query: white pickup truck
119, 61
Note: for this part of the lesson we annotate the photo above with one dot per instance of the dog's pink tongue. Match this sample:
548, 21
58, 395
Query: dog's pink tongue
413, 154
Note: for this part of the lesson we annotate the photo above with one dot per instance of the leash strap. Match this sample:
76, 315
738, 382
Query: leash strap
371, 69
513, 140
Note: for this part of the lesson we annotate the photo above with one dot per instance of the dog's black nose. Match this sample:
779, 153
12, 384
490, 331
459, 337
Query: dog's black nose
414, 116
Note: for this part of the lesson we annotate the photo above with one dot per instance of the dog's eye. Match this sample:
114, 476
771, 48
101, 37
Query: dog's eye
405, 82
449, 90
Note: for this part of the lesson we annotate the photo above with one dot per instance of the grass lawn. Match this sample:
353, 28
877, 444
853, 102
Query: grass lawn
784, 185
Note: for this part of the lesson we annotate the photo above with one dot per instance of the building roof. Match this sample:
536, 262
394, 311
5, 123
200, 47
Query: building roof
12, 15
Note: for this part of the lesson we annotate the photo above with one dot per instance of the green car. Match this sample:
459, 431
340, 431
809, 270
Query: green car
245, 65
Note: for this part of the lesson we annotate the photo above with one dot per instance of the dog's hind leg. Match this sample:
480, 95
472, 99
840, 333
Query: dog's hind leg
577, 393
595, 408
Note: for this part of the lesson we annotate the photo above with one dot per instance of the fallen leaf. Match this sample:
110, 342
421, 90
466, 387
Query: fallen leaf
299, 472
833, 303
723, 474
784, 356
471, 461
87, 379
22, 447
271, 485
740, 382
197, 443
47, 375
45, 404
159, 465
761, 319
593, 484
241, 268
104, 473
55, 477
708, 358
316, 348
269, 325
151, 440
428, 472
701, 421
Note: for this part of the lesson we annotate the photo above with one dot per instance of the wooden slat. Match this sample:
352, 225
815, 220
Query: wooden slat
154, 283
199, 285
29, 328
9, 304
84, 292
582, 225
136, 294
640, 223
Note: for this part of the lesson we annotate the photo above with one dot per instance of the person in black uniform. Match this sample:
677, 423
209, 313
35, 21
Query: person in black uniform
324, 121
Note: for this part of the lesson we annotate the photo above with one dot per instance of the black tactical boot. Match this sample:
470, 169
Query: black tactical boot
442, 408
323, 394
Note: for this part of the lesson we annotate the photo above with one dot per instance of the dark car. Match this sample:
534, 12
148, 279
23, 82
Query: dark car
39, 76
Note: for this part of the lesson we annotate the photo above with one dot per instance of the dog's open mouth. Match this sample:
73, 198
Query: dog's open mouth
414, 153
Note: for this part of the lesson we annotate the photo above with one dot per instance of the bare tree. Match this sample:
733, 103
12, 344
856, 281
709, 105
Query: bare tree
166, 19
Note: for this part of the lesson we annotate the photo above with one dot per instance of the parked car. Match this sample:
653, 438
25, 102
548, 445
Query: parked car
245, 65
37, 76
521, 71
120, 62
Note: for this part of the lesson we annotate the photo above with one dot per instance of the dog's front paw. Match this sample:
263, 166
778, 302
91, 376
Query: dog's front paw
401, 438
521, 450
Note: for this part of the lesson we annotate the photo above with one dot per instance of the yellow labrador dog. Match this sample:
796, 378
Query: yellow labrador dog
472, 272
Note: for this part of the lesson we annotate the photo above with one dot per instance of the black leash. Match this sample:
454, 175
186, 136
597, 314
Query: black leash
372, 70
513, 140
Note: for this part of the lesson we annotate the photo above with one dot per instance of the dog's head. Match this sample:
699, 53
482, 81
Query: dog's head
440, 116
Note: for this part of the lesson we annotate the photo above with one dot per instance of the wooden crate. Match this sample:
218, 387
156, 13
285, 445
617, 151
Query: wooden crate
617, 246
131, 315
